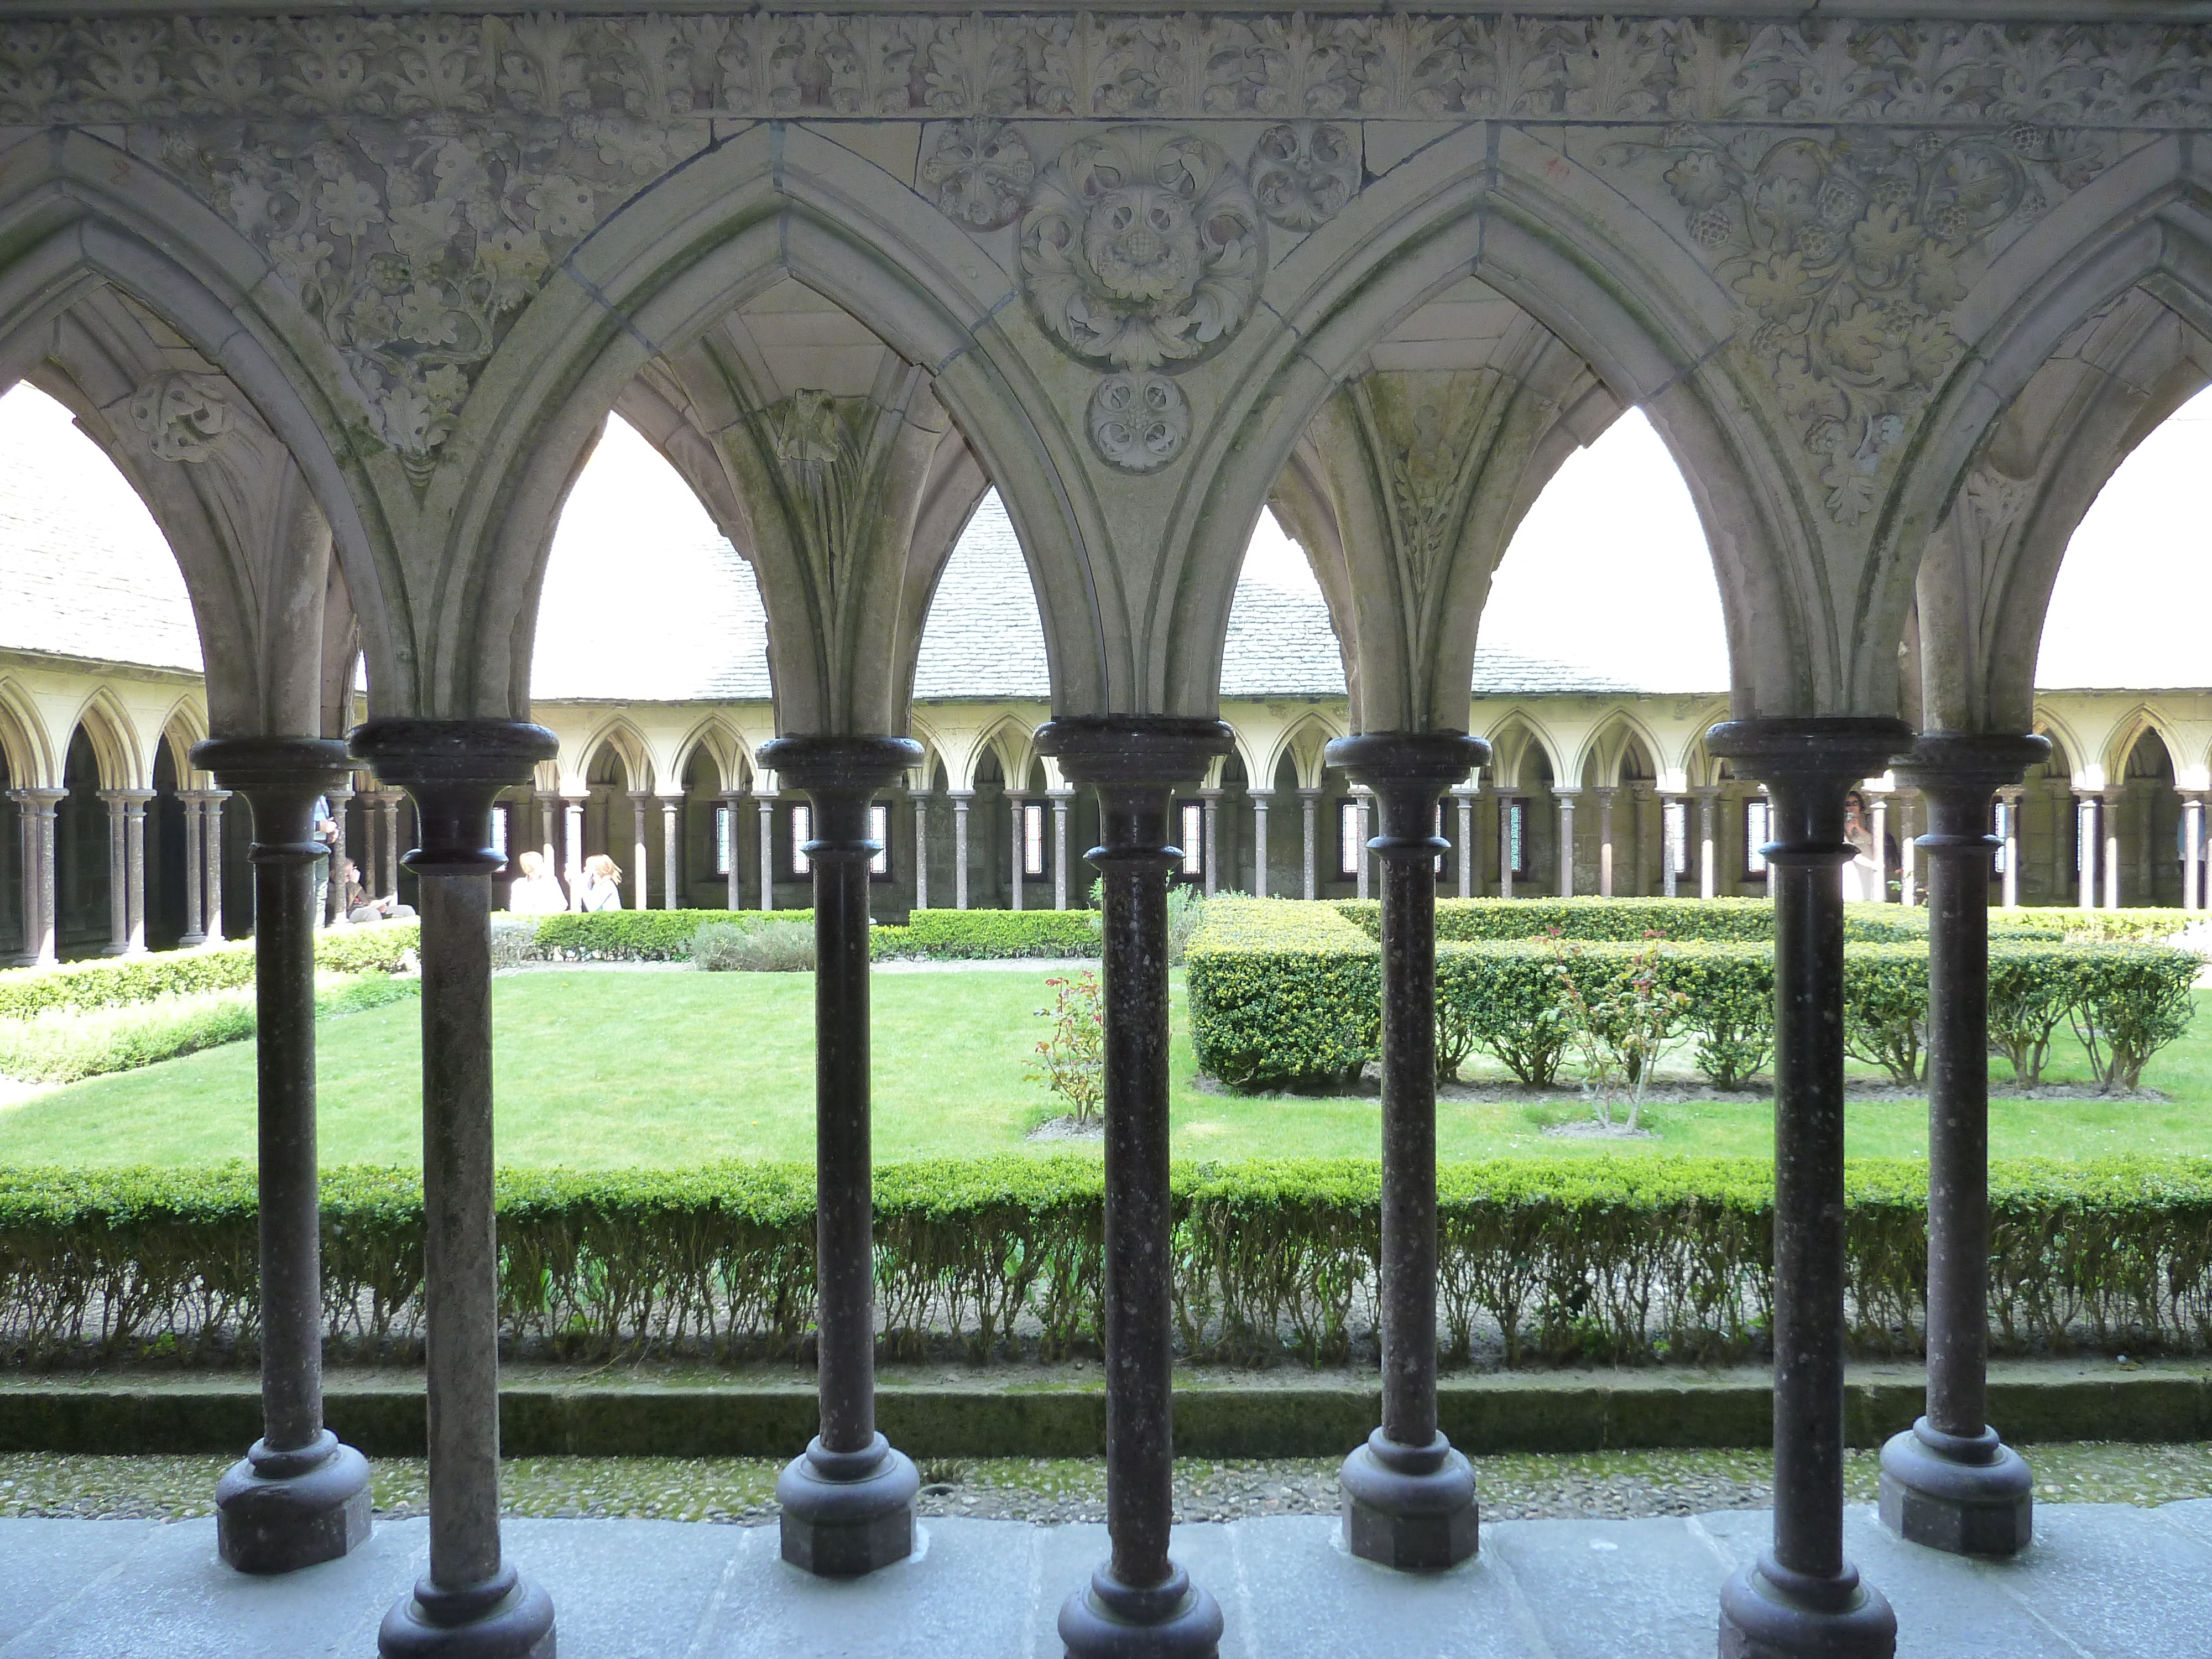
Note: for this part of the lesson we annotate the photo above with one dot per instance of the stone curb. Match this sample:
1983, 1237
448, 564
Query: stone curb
1550, 1413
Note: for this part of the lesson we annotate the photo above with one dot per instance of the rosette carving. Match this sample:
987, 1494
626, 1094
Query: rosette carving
1142, 245
979, 172
1304, 172
1139, 422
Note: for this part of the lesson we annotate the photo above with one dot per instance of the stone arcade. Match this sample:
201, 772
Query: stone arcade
352, 295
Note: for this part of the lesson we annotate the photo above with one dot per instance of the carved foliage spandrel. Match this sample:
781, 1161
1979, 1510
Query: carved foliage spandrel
978, 172
1142, 245
1848, 251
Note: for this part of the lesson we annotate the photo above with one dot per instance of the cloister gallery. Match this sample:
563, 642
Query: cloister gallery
348, 298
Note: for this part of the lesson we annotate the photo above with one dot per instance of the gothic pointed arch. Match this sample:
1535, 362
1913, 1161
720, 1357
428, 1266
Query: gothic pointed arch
78, 213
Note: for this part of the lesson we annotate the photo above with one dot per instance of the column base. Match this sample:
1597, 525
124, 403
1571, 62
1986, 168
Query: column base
505, 1616
1770, 1613
1410, 1507
1964, 1496
848, 1513
1110, 1619
276, 1511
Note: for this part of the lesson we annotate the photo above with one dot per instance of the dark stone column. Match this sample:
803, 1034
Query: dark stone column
1139, 1605
1949, 1481
1408, 1496
848, 1500
298, 1496
1803, 1598
472, 1604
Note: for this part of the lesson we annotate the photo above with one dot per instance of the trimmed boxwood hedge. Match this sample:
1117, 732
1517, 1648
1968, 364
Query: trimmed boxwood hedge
980, 935
372, 948
1287, 995
1623, 1259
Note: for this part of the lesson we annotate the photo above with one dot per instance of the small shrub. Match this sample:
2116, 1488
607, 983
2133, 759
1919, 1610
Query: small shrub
514, 939
1618, 1021
643, 935
2134, 1006
1071, 1062
1886, 1008
785, 947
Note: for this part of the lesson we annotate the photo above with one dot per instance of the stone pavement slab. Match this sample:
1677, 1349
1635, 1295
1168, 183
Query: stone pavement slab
2102, 1581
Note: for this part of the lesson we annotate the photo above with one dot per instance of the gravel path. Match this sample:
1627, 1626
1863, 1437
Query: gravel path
1049, 1491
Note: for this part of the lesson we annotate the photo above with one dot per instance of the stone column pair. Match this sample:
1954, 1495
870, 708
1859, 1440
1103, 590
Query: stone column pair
847, 1502
298, 1496
1408, 1496
35, 809
1140, 1604
471, 1604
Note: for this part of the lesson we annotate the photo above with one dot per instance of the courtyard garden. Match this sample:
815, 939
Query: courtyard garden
1605, 1137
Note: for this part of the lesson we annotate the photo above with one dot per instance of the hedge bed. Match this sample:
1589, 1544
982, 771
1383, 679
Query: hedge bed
373, 948
1749, 920
1600, 1260
1287, 995
939, 935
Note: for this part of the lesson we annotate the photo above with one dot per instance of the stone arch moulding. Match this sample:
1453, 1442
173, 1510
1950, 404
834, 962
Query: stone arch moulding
2068, 751
722, 744
114, 737
32, 762
1303, 740
2143, 224
1512, 735
620, 734
1607, 746
76, 212
1553, 237
776, 200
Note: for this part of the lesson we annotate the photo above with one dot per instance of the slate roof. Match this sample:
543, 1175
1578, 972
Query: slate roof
85, 572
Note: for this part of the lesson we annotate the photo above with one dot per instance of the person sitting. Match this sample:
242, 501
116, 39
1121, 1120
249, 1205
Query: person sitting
601, 887
536, 892
358, 904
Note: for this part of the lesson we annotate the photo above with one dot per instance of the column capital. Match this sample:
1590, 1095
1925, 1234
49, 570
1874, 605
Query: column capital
1958, 772
821, 762
1134, 749
126, 796
960, 797
637, 797
1707, 792
1565, 794
1408, 772
730, 797
1061, 795
1807, 766
453, 768
269, 769
1305, 793
38, 797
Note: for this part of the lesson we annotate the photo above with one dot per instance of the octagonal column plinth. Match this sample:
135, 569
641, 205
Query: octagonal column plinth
1139, 1605
471, 1604
1802, 1597
1408, 1496
1948, 1482
848, 1499
298, 1496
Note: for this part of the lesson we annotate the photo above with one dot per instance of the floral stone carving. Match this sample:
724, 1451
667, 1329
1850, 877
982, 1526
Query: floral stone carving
1304, 172
1139, 422
1848, 252
185, 417
979, 173
1142, 245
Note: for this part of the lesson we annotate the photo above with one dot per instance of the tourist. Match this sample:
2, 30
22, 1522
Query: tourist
326, 831
362, 906
601, 887
538, 891
1864, 877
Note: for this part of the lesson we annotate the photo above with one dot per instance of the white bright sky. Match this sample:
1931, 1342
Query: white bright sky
1609, 569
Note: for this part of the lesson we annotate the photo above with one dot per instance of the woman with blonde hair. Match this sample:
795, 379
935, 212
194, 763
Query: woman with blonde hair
601, 887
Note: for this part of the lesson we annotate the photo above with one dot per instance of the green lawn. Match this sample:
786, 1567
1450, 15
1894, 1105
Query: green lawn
597, 1069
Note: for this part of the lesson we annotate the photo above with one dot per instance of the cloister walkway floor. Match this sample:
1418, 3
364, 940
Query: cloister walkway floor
2101, 1580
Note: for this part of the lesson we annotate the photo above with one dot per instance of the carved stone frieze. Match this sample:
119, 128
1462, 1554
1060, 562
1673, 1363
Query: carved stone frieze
978, 173
413, 243
657, 68
1848, 251
186, 417
1139, 422
1304, 172
1141, 246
